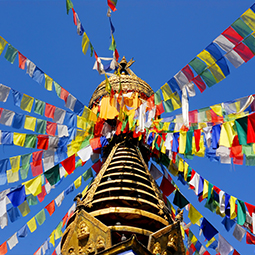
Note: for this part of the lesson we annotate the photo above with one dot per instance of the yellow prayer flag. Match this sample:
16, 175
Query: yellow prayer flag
48, 82
210, 242
176, 102
249, 18
217, 73
166, 92
182, 231
163, 147
26, 103
85, 43
77, 182
24, 208
19, 139
34, 186
81, 122
232, 202
181, 165
15, 163
30, 123
3, 42
92, 116
206, 57
193, 239
52, 238
194, 215
182, 142
86, 113
32, 225
166, 126
205, 189
227, 134
131, 120
12, 176
186, 166
201, 151
107, 84
106, 110
217, 109
84, 191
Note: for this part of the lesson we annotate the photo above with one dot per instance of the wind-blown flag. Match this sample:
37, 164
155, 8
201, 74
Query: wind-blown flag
112, 4
85, 43
113, 44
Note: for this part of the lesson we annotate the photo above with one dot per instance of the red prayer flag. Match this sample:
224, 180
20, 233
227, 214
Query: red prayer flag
236, 151
250, 239
244, 52
3, 248
197, 135
150, 102
188, 72
235, 253
98, 127
232, 35
42, 142
54, 253
206, 253
50, 207
215, 117
116, 55
49, 110
36, 167
74, 17
95, 143
1, 110
51, 128
216, 189
97, 166
250, 208
193, 115
160, 109
37, 155
251, 128
65, 219
199, 83
42, 195
69, 164
167, 187
112, 4
22, 61
64, 94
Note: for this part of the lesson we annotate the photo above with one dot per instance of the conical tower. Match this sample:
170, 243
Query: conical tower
123, 209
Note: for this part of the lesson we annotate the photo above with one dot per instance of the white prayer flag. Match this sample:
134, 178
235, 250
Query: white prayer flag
4, 92
12, 241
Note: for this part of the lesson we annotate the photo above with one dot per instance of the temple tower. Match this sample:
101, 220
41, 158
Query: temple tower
123, 211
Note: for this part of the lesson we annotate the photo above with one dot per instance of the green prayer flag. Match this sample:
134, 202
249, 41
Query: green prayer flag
188, 149
24, 172
198, 65
39, 107
78, 163
241, 212
241, 28
32, 200
211, 204
208, 78
41, 126
58, 231
57, 88
85, 142
91, 49
241, 128
2, 44
30, 141
189, 173
165, 160
69, 5
88, 174
168, 106
11, 53
250, 42
157, 97
52, 175
180, 200
25, 160
113, 44
40, 217
250, 160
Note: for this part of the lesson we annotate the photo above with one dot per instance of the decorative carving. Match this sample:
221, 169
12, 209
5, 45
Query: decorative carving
90, 247
81, 250
173, 241
179, 216
156, 248
71, 251
83, 231
100, 244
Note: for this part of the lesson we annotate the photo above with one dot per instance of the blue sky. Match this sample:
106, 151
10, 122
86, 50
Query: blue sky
162, 36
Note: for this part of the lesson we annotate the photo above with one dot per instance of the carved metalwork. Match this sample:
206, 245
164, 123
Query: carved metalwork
156, 248
173, 241
83, 230
100, 244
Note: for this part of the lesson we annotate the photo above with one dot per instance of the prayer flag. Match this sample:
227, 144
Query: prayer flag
4, 92
113, 44
19, 139
42, 194
241, 28
77, 182
241, 212
112, 4
52, 175
194, 215
22, 61
49, 110
88, 174
224, 247
34, 186
199, 83
11, 53
51, 128
39, 107
12, 176
243, 51
23, 231
24, 208
167, 187
97, 166
80, 29
69, 5
250, 239
180, 200
249, 18
26, 103
85, 43
38, 75
7, 117
50, 207
3, 248
30, 123
40, 217
32, 225
59, 115
30, 67
59, 198
64, 94
239, 232
208, 230
234, 58
74, 17
232, 35
3, 42
41, 126
69, 164
17, 196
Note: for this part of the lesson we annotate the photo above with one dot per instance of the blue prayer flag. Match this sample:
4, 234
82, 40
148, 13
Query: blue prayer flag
16, 97
3, 168
18, 120
13, 213
23, 231
38, 75
17, 196
78, 107
208, 230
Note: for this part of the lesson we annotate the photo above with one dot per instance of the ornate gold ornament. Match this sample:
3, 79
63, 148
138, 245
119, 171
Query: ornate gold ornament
156, 248
83, 231
100, 244
90, 247
172, 241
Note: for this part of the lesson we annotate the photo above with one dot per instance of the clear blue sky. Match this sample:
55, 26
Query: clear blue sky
162, 36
